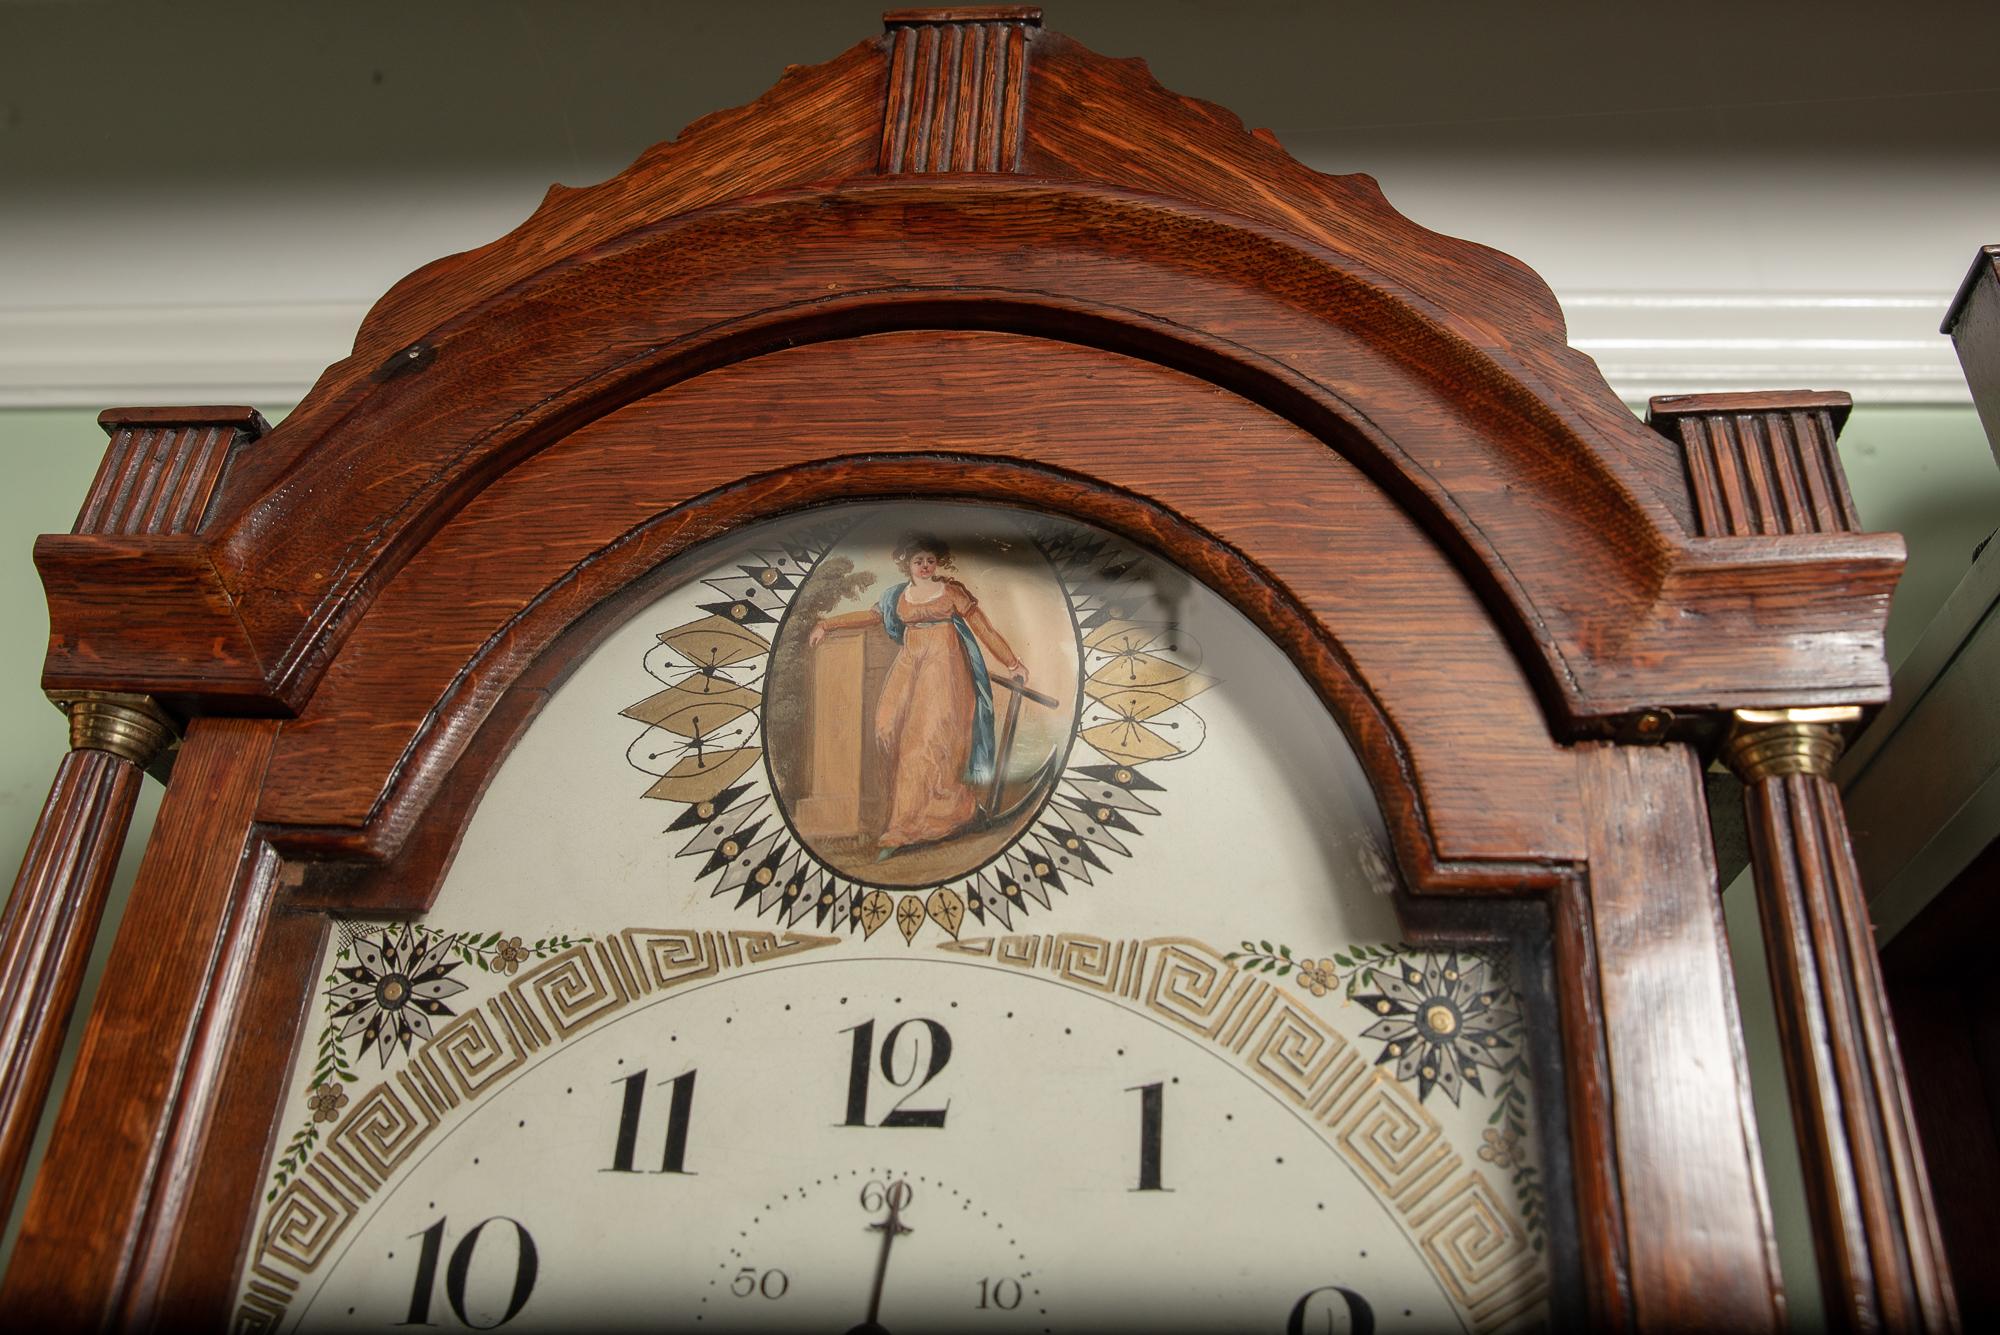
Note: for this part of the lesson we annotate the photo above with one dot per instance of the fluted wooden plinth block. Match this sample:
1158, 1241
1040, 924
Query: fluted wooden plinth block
1880, 1256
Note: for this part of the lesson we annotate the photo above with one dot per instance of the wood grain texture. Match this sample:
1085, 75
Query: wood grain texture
1697, 1222
1155, 225
185, 1275
1759, 465
1494, 307
952, 415
817, 123
1373, 440
46, 935
1882, 1264
156, 480
957, 81
137, 531
146, 1075
1604, 1250
160, 590
162, 467
1762, 464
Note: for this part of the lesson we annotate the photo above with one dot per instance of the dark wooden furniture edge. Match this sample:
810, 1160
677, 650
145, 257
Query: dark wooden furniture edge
1984, 264
1974, 325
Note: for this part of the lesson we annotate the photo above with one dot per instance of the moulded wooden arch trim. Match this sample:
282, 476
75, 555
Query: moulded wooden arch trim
1464, 364
394, 862
1614, 608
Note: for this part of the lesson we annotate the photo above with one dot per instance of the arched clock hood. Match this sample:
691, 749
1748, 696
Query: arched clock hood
969, 259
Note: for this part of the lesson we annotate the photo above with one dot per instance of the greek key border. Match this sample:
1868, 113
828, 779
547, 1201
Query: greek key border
474, 1053
1478, 1249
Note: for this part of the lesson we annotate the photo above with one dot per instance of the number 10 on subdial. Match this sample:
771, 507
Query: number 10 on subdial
896, 1253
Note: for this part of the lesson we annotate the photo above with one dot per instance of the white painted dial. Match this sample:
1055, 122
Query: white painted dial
1067, 1161
1093, 955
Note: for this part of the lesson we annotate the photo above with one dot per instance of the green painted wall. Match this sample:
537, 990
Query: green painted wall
1926, 472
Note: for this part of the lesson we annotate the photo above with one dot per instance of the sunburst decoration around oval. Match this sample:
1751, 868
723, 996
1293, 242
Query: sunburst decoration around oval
703, 738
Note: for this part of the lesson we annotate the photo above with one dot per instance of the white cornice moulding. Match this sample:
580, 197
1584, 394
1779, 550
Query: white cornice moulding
1881, 348
268, 354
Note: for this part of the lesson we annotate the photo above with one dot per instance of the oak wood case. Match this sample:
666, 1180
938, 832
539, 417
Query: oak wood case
966, 259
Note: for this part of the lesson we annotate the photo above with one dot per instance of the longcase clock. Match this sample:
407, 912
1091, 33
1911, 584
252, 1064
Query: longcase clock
965, 700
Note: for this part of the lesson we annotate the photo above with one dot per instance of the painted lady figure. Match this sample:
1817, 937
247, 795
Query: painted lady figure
934, 719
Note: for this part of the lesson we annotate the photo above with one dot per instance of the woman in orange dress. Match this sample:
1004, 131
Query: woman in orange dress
934, 720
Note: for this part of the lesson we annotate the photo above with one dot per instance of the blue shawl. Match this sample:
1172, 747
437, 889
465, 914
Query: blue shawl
979, 763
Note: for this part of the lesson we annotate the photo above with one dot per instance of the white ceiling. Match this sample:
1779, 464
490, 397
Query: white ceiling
197, 202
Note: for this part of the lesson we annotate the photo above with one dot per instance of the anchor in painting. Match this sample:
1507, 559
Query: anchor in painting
989, 813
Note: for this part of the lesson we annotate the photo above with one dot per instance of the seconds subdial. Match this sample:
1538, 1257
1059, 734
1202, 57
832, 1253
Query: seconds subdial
901, 1251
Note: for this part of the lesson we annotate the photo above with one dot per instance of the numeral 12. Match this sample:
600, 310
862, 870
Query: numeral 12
862, 1057
680, 1105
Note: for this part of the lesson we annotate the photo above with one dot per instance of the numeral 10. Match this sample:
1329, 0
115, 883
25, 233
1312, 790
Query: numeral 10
1003, 1293
526, 1265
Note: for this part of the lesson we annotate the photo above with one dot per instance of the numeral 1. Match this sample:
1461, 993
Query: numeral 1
427, 1273
1152, 1116
857, 1073
680, 1106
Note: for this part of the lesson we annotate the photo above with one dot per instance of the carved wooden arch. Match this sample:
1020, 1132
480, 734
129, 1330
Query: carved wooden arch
838, 211
498, 692
386, 778
1457, 394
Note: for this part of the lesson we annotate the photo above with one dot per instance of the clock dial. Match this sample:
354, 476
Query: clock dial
918, 918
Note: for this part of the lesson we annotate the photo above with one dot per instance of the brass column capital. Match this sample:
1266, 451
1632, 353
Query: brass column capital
132, 727
1765, 743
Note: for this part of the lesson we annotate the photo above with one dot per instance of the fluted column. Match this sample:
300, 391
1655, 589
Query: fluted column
1763, 466
1880, 1256
52, 916
157, 479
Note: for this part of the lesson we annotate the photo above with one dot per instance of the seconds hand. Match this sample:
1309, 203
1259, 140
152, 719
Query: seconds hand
889, 1228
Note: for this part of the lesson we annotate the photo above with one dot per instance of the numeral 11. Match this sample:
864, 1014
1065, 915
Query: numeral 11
679, 1106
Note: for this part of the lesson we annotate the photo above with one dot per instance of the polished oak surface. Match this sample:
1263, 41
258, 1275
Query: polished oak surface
969, 259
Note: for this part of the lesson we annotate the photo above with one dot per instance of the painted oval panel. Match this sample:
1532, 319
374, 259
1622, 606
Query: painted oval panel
922, 692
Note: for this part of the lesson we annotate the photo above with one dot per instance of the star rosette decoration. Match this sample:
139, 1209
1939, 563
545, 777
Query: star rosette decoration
396, 987
1442, 1022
